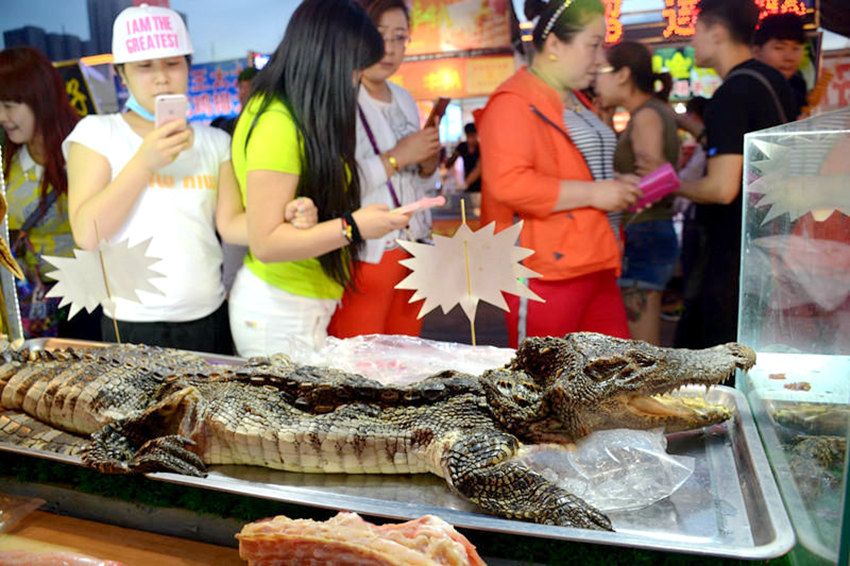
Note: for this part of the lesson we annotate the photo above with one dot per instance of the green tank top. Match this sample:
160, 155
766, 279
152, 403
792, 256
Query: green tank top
624, 158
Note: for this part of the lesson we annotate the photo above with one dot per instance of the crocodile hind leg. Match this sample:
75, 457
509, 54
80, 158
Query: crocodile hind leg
150, 442
479, 467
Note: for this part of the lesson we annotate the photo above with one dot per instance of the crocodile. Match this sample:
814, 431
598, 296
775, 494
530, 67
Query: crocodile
151, 409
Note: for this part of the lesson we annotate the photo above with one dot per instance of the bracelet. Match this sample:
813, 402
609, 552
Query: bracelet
350, 231
393, 162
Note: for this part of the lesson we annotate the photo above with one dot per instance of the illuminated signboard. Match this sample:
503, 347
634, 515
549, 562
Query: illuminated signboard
688, 79
680, 16
456, 77
771, 7
612, 21
213, 91
457, 25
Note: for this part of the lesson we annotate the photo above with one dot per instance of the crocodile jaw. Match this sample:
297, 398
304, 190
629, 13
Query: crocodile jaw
590, 382
673, 413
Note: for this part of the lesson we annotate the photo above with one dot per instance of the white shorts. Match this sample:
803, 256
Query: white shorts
266, 320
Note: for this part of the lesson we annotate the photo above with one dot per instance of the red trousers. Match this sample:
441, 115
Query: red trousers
376, 306
588, 303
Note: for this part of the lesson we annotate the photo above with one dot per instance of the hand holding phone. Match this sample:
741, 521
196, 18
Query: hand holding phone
170, 107
437, 112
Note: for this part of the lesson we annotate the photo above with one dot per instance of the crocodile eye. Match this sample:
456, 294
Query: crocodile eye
600, 370
643, 360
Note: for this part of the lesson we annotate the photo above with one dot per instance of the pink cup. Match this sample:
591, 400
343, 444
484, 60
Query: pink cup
656, 185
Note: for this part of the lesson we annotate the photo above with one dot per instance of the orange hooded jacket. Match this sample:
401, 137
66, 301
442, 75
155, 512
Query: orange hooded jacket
526, 152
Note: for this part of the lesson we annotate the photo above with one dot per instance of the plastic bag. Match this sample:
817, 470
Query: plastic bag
399, 359
14, 508
614, 470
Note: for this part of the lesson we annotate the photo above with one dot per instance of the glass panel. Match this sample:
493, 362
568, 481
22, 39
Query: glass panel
795, 312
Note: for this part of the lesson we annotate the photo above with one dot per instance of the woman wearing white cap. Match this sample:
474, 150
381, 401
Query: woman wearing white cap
173, 185
297, 137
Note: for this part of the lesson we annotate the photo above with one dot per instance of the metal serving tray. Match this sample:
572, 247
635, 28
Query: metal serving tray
729, 507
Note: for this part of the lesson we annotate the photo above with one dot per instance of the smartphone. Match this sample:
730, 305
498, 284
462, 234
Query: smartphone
437, 112
170, 107
422, 204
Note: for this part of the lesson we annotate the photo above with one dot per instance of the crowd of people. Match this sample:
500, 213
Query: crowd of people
305, 183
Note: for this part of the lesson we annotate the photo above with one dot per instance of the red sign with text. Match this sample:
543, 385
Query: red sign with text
614, 29
681, 15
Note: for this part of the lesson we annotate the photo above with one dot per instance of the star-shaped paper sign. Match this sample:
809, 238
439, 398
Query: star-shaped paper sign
468, 267
81, 281
784, 191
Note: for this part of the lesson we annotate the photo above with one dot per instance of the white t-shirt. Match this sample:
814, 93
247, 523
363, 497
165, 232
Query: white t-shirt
390, 122
176, 210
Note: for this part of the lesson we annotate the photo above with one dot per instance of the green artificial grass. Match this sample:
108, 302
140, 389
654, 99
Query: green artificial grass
143, 491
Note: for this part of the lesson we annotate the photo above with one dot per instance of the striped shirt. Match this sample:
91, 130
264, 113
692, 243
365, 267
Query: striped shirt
597, 143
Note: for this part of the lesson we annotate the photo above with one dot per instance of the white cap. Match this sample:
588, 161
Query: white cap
149, 32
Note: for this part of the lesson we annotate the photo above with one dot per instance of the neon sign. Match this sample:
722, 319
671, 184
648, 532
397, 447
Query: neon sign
771, 7
681, 16
612, 21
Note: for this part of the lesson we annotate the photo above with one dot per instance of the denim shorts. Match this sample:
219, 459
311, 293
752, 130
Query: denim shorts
650, 255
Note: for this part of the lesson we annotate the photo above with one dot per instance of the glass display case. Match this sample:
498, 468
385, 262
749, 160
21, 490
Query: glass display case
795, 312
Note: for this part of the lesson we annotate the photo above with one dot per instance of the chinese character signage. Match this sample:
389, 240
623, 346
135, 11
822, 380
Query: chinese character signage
457, 25
79, 93
688, 79
771, 7
212, 90
454, 77
614, 29
680, 16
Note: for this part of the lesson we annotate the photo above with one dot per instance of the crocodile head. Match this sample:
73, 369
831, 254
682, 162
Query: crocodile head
560, 389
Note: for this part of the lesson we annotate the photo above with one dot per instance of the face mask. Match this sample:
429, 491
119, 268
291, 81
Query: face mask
134, 105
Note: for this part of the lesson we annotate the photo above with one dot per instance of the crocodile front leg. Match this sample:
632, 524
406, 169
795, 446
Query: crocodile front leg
479, 467
119, 449
151, 441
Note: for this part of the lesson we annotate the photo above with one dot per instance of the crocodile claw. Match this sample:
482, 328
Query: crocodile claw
572, 511
168, 453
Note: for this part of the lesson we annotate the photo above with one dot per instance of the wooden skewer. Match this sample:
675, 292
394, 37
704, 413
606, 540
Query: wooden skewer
106, 282
466, 265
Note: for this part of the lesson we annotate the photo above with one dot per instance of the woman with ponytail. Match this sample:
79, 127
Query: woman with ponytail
652, 247
547, 160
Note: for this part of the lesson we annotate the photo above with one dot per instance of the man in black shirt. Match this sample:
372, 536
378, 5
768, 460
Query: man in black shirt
468, 151
780, 42
752, 97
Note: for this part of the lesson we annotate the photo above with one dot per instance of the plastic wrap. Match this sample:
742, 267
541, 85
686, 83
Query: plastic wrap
400, 359
614, 470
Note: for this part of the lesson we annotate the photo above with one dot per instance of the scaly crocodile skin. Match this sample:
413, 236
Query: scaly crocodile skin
151, 409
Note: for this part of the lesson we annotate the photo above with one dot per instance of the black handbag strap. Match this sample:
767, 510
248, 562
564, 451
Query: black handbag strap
760, 78
39, 213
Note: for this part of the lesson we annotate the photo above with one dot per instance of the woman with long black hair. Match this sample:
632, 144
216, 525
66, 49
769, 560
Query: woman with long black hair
296, 138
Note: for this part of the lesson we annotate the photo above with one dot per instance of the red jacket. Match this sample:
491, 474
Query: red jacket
525, 153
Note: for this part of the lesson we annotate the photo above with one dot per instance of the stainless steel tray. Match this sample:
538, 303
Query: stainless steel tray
729, 507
